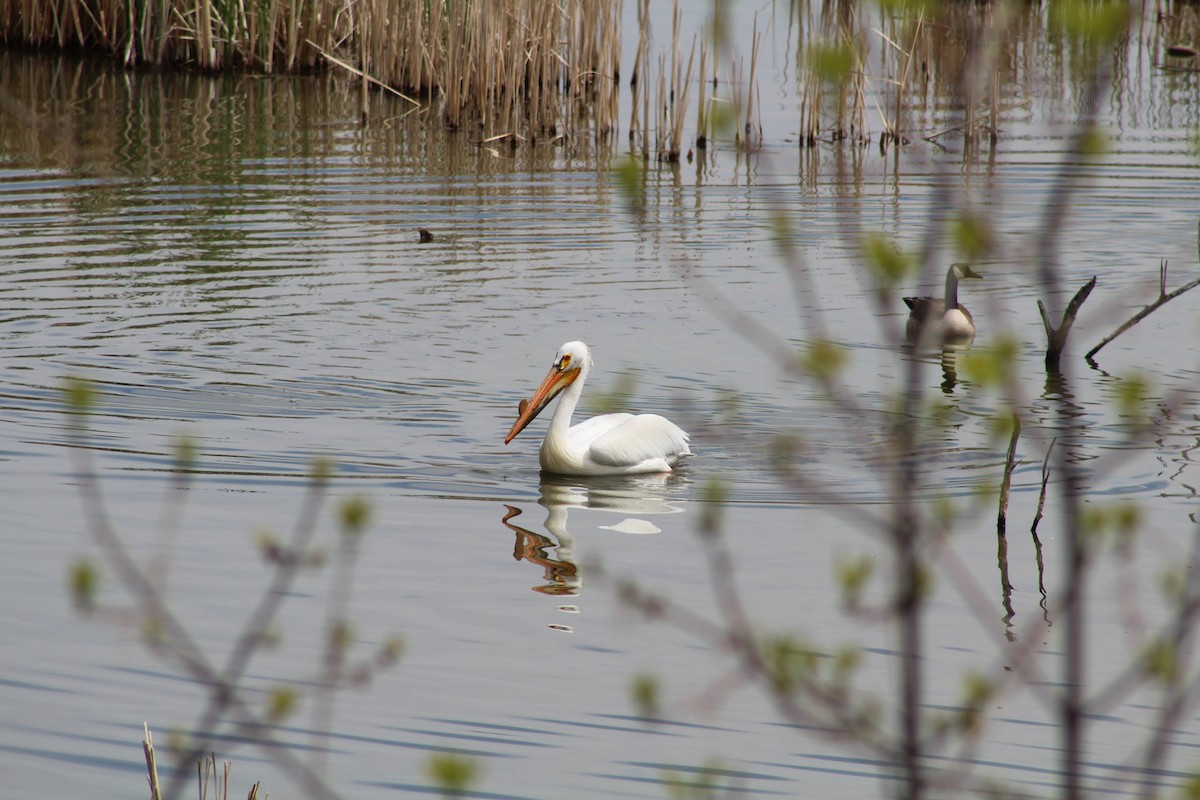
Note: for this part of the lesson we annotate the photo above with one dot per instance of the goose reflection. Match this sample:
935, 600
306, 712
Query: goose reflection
951, 353
554, 551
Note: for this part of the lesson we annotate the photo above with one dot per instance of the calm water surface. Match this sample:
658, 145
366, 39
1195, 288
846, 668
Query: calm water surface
236, 261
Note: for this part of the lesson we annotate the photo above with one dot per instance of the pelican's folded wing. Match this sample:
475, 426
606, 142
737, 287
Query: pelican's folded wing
642, 438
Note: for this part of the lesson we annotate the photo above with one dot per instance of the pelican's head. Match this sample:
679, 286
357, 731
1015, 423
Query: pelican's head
571, 362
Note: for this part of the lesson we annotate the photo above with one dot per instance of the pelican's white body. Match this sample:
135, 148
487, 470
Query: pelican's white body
610, 444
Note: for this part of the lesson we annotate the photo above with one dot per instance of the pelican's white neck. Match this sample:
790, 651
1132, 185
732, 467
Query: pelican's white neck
560, 423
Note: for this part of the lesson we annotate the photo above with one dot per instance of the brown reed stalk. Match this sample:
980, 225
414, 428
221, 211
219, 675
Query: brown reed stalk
363, 83
859, 129
664, 112
646, 111
897, 133
994, 107
641, 74
548, 77
206, 55
702, 105
600, 66
673, 92
683, 92
735, 83
451, 82
753, 125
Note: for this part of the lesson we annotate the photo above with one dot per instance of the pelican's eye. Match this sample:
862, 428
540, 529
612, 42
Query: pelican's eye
565, 361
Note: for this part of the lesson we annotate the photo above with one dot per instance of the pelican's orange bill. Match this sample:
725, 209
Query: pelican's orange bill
556, 380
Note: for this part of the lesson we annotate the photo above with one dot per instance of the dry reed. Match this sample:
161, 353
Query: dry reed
504, 64
753, 120
674, 90
702, 117
748, 135
639, 115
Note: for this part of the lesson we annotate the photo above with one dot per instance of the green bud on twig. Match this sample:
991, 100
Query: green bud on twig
890, 264
321, 469
629, 174
712, 504
824, 360
185, 453
1161, 662
644, 691
281, 703
79, 395
84, 580
452, 773
832, 61
973, 236
354, 514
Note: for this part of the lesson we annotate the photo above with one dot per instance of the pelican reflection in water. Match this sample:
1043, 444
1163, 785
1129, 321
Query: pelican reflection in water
554, 551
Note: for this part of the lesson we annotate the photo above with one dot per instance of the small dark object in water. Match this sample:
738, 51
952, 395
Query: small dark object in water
425, 235
1181, 51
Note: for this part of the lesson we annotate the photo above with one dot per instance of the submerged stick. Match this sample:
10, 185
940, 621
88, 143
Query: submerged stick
1006, 481
1163, 299
1033, 531
1006, 587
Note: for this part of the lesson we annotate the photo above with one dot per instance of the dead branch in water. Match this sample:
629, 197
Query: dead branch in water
1010, 463
1056, 338
1006, 482
1163, 299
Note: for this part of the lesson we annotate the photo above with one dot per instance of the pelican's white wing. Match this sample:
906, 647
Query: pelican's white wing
633, 440
585, 433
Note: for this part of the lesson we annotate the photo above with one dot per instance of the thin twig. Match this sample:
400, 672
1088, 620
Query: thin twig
175, 639
1163, 299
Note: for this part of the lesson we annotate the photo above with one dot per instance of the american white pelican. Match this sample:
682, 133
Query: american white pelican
946, 320
610, 444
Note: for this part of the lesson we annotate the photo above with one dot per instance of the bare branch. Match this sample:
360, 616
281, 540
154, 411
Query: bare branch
1056, 338
1163, 299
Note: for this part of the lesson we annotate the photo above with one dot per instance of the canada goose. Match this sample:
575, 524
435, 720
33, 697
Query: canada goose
942, 320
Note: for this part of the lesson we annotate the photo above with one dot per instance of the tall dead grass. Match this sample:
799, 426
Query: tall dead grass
530, 65
210, 34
